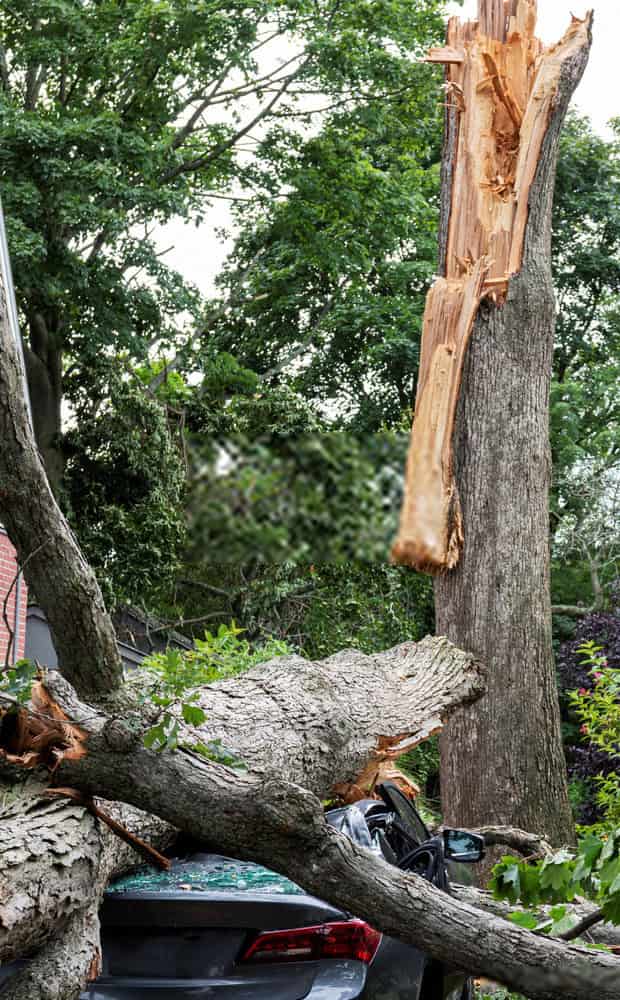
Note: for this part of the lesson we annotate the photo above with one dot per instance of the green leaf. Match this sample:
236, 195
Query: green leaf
155, 738
524, 919
193, 715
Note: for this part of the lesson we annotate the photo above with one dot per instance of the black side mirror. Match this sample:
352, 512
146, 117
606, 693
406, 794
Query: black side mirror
459, 845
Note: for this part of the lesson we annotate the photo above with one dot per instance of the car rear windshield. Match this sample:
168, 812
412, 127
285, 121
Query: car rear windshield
212, 875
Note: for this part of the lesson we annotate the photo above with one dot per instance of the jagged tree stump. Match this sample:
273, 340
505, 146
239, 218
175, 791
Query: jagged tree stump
476, 505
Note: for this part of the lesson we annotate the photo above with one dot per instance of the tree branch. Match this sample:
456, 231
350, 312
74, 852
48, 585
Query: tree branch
64, 582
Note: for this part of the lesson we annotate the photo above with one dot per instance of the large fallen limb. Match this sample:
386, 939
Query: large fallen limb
333, 722
281, 825
54, 859
506, 96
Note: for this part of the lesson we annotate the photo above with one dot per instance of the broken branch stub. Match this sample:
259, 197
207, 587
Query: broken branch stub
502, 84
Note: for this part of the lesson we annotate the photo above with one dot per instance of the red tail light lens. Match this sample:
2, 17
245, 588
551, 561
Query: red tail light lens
349, 939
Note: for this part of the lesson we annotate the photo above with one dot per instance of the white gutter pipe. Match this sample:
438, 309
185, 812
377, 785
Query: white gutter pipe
6, 276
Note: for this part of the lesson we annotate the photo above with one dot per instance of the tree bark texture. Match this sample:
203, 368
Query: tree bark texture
44, 361
336, 721
47, 551
502, 761
55, 858
280, 824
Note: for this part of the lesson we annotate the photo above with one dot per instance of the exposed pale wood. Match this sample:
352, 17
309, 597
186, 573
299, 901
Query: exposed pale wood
431, 499
445, 55
501, 98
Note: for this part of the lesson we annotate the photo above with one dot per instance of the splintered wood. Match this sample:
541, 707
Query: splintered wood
501, 83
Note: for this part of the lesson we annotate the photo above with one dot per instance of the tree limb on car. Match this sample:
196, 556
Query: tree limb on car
281, 825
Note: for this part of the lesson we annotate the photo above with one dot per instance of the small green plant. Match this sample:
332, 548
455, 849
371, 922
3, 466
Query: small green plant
17, 680
598, 711
179, 675
592, 872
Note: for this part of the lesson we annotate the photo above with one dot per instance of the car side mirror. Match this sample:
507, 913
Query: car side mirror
459, 845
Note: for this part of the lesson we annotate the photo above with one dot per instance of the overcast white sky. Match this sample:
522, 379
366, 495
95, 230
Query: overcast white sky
198, 254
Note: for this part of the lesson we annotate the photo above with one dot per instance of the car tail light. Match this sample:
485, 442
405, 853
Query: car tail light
348, 939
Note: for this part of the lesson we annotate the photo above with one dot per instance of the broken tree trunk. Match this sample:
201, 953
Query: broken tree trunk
506, 96
479, 467
281, 825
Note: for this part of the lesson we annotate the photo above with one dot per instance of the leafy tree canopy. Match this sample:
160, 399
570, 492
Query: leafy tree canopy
118, 116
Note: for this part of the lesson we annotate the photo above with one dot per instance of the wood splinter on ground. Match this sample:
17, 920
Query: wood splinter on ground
501, 83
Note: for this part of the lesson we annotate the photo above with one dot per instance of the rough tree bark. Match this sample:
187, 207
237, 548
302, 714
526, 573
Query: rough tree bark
47, 551
55, 863
476, 507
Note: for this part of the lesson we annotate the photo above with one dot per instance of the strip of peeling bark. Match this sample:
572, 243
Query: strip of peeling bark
281, 825
502, 87
47, 550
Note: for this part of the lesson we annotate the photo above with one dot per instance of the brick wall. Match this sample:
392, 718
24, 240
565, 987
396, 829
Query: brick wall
8, 569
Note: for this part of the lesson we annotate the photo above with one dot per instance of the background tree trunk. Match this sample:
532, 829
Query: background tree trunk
502, 759
44, 361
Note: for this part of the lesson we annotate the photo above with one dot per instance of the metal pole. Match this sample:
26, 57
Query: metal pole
9, 290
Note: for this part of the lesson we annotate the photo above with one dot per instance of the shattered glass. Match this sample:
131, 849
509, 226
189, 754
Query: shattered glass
207, 875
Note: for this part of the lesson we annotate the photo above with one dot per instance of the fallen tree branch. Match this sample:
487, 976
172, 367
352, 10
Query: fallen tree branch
527, 844
52, 856
281, 825
288, 717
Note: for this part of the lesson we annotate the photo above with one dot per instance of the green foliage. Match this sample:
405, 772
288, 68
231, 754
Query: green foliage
336, 274
17, 680
585, 402
592, 872
125, 486
177, 677
117, 119
318, 608
104, 132
295, 498
598, 710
